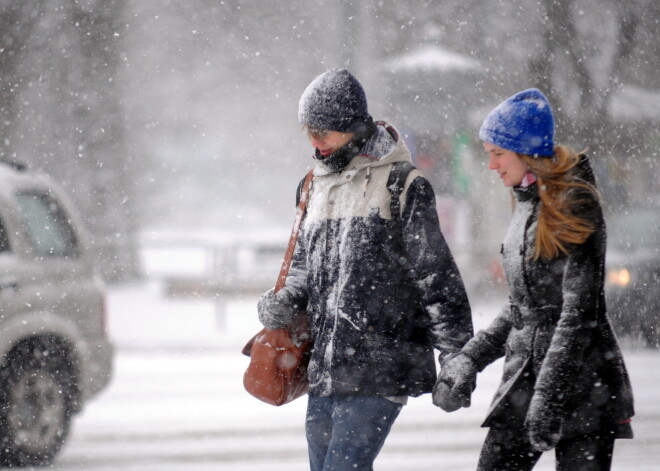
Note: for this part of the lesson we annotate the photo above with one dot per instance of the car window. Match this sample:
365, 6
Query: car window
636, 229
48, 226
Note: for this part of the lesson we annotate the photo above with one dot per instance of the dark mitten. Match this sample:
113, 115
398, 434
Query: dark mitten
544, 421
455, 383
443, 398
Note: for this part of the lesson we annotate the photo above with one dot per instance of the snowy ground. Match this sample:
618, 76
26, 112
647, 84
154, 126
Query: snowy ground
176, 402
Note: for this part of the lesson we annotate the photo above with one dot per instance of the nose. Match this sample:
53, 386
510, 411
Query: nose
492, 163
316, 142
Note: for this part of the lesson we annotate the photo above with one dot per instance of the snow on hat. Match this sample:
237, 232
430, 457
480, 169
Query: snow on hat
334, 101
522, 123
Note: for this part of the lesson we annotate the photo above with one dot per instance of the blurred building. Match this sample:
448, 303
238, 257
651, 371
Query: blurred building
435, 93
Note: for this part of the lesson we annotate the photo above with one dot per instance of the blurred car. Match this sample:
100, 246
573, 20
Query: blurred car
633, 273
54, 351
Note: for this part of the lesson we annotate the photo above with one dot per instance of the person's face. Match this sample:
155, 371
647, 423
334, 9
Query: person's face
508, 165
328, 142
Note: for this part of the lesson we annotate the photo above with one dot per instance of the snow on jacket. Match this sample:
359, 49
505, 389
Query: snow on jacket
555, 334
380, 295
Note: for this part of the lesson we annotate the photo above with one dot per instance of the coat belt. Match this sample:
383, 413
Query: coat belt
534, 316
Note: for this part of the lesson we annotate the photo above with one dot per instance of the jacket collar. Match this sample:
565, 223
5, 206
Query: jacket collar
527, 193
385, 147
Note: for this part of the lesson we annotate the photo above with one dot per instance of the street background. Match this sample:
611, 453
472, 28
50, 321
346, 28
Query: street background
176, 401
161, 115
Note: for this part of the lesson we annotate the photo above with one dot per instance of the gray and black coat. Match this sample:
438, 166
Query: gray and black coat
381, 290
554, 334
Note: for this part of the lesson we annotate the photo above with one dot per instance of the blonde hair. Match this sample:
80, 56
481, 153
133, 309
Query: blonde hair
561, 191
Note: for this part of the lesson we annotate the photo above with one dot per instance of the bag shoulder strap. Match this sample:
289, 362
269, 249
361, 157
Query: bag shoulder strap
395, 184
302, 198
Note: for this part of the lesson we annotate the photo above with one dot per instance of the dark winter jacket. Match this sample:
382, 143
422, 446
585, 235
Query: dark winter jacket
555, 334
380, 294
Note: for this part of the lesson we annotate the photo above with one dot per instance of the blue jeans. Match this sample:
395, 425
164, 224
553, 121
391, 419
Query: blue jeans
347, 432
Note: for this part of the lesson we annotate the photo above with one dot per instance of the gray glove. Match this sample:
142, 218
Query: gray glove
455, 383
277, 310
544, 421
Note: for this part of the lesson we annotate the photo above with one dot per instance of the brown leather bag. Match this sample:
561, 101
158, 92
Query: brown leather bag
277, 373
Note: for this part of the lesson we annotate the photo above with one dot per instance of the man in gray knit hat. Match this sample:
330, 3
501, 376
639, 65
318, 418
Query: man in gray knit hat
373, 271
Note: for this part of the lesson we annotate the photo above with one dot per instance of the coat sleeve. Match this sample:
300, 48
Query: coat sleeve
582, 286
490, 344
277, 310
433, 270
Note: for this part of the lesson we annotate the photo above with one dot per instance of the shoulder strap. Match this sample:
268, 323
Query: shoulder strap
395, 183
299, 190
300, 213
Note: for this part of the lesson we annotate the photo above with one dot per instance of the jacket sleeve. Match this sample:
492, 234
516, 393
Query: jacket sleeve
433, 270
277, 310
489, 344
582, 286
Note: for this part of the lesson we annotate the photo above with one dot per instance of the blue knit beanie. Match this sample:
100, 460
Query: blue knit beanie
522, 123
334, 101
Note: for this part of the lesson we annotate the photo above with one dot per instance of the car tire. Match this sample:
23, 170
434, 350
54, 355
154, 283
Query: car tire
35, 405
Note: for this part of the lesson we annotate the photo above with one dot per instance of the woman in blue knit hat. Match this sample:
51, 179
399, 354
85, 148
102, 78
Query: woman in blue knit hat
564, 384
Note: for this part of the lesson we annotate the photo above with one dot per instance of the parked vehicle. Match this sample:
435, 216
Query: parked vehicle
633, 273
54, 350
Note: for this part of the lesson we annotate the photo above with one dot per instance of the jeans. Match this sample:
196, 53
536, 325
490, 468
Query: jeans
347, 432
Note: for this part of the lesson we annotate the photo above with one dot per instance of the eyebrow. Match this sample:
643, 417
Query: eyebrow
318, 132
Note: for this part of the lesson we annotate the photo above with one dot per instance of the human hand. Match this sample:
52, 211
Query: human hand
443, 398
276, 310
543, 422
455, 383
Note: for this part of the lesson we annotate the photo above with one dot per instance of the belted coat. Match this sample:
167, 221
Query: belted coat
555, 334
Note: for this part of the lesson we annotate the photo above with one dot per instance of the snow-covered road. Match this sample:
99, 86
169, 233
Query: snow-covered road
176, 402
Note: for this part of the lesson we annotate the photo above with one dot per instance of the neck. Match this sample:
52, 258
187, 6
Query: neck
528, 179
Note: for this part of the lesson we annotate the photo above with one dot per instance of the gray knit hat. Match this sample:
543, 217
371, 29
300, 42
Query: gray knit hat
334, 101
